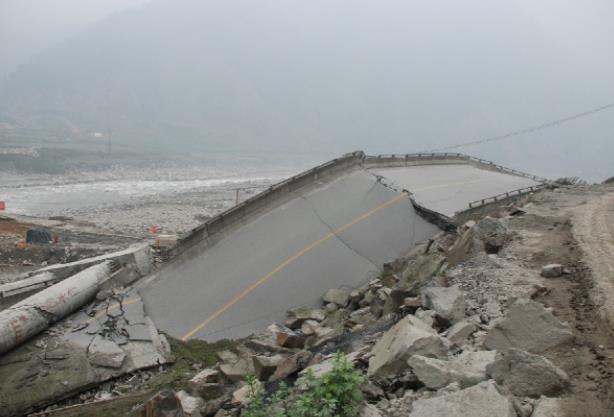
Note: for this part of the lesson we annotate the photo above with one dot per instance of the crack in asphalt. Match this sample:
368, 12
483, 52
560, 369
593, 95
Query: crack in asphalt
332, 230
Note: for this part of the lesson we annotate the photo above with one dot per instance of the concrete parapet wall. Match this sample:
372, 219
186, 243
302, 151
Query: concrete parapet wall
277, 193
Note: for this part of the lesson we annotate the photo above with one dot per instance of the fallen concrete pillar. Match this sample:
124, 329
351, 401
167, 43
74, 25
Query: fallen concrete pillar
34, 314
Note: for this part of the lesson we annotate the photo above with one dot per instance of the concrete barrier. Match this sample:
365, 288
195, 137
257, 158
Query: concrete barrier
271, 197
36, 313
278, 193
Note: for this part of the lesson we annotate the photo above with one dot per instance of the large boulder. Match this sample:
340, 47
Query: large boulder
291, 365
483, 400
447, 302
529, 326
468, 369
408, 337
527, 375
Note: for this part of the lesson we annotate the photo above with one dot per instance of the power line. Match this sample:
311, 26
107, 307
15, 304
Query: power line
527, 129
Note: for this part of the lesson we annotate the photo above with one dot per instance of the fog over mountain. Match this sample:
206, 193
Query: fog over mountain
328, 77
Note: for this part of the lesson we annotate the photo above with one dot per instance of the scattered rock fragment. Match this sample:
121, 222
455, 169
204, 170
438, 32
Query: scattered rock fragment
289, 339
461, 331
408, 337
447, 302
483, 400
527, 375
553, 271
529, 326
297, 316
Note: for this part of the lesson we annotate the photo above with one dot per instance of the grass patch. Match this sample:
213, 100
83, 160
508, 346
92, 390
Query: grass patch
186, 355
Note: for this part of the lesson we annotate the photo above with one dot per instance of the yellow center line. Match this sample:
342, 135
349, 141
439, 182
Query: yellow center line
285, 263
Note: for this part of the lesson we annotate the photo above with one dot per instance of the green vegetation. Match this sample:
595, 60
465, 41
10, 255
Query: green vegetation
334, 394
187, 354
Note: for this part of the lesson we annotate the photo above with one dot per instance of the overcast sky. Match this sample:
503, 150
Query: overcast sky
27, 27
381, 75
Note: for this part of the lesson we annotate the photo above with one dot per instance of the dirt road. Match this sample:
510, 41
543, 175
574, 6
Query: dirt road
593, 228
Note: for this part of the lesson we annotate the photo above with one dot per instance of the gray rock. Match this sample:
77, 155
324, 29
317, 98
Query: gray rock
191, 405
551, 407
527, 375
552, 271
237, 371
265, 366
529, 326
408, 337
297, 316
461, 331
291, 365
427, 316
447, 302
466, 370
369, 410
201, 383
483, 400
337, 296
103, 352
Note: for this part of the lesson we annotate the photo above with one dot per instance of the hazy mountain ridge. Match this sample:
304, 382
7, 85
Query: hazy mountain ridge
304, 76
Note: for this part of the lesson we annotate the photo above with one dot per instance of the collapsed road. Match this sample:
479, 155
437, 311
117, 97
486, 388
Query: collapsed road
333, 226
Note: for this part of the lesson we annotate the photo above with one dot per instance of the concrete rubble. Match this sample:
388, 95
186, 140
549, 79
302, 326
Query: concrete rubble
426, 350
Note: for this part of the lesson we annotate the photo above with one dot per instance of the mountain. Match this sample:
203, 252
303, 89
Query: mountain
309, 75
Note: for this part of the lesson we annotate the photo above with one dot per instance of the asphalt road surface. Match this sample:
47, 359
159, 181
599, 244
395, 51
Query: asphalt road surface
337, 235
447, 189
333, 235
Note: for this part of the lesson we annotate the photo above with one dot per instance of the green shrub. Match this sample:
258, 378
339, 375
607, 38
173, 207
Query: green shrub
334, 394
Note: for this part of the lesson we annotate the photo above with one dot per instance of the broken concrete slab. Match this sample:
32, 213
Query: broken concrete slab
106, 353
529, 326
447, 302
527, 375
483, 400
30, 379
408, 337
36, 313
